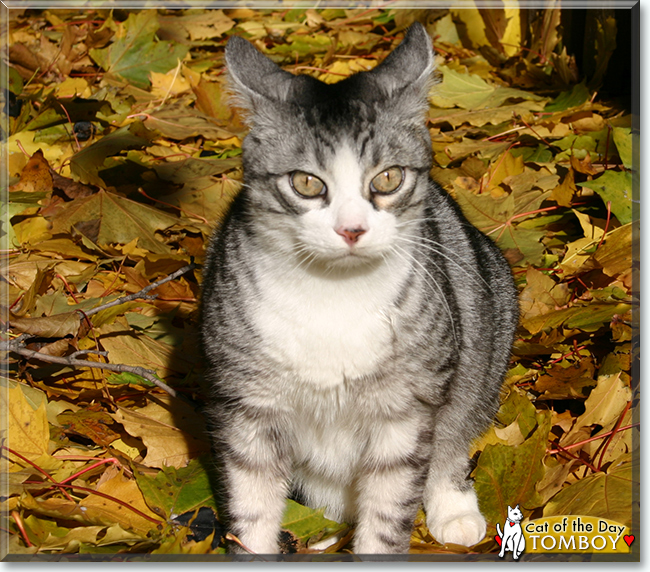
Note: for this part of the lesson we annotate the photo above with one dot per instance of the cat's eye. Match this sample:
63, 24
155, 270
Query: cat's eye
388, 181
307, 185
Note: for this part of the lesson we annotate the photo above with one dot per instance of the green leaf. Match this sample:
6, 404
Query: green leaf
568, 99
496, 218
623, 142
507, 475
470, 91
301, 45
135, 52
606, 495
614, 187
588, 318
460, 90
125, 378
517, 407
304, 522
176, 491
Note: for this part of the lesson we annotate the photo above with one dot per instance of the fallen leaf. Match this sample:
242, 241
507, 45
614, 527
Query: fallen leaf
603, 406
623, 140
135, 52
87, 163
117, 220
27, 430
101, 510
35, 176
508, 475
305, 523
541, 294
615, 188
615, 253
176, 491
50, 327
172, 432
608, 495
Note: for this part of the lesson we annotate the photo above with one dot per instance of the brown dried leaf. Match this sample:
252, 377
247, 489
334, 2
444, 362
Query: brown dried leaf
35, 177
104, 511
57, 326
170, 429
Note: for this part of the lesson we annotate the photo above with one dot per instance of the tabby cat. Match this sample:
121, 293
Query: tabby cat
356, 327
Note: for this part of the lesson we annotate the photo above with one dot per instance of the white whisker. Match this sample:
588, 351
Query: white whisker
418, 241
435, 284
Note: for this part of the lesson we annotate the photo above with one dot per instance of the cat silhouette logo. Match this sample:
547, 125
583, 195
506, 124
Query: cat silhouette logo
512, 538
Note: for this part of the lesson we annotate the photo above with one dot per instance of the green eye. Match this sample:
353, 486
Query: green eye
388, 181
307, 185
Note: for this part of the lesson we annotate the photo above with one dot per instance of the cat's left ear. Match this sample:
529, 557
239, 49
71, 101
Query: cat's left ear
409, 67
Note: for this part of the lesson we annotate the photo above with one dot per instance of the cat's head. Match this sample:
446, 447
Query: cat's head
514, 514
336, 172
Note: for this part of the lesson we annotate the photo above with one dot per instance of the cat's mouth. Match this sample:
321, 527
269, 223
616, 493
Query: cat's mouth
350, 257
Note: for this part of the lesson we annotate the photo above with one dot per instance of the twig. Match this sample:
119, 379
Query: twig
72, 362
17, 346
82, 352
142, 294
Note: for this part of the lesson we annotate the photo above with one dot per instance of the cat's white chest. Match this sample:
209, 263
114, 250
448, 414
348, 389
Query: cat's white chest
326, 330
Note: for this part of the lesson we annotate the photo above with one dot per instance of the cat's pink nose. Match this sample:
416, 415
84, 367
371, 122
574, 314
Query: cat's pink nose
350, 235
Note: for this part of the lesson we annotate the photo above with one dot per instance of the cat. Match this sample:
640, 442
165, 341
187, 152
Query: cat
356, 327
512, 537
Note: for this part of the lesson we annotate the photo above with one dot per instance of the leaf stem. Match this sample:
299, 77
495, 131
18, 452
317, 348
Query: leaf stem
93, 466
612, 433
108, 497
580, 443
586, 463
42, 471
21, 527
609, 214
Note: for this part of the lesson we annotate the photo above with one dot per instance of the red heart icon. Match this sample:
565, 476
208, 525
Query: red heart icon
629, 539
498, 539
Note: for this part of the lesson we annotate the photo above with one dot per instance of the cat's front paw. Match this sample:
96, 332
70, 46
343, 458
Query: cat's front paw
466, 529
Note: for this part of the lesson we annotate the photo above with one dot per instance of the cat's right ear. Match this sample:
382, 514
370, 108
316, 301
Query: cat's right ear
254, 78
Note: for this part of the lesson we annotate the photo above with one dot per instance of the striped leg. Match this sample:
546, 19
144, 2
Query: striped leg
257, 474
390, 488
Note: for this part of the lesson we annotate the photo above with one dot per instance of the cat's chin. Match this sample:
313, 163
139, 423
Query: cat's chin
346, 261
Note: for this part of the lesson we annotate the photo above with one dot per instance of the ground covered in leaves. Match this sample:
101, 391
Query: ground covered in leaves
123, 156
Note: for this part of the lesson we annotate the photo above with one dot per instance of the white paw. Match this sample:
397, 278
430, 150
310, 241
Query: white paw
466, 529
